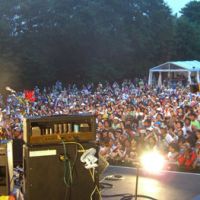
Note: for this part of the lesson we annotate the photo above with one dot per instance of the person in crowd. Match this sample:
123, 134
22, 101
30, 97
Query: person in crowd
172, 156
194, 122
196, 164
187, 158
130, 116
187, 126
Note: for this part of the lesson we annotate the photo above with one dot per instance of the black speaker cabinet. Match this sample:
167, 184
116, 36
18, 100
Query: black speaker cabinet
18, 152
6, 168
44, 173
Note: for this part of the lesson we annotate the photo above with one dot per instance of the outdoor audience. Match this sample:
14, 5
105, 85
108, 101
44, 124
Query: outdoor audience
131, 118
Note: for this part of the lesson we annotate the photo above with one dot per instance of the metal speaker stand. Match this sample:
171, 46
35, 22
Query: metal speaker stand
136, 186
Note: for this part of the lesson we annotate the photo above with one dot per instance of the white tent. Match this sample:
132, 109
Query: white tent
178, 67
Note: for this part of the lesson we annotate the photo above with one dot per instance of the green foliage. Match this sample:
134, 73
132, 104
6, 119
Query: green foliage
92, 40
192, 12
188, 32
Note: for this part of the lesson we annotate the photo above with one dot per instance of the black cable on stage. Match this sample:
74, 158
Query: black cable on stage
75, 159
68, 182
105, 185
118, 195
69, 192
128, 196
124, 196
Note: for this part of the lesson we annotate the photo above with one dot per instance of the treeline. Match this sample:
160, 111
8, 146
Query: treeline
42, 41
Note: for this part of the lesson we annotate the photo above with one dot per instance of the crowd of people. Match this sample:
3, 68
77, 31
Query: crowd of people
131, 118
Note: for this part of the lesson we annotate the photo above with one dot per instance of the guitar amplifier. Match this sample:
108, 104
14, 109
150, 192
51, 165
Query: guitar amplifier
45, 171
6, 167
54, 129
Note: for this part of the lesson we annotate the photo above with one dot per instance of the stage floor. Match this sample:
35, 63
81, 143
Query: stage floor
164, 186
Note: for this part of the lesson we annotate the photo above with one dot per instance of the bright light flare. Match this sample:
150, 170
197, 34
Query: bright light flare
152, 162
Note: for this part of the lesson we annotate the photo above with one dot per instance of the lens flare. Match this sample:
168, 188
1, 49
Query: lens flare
152, 162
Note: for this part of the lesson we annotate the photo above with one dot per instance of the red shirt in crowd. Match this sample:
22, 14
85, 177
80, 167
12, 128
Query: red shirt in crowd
187, 159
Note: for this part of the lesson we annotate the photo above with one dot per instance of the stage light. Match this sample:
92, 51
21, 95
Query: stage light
152, 161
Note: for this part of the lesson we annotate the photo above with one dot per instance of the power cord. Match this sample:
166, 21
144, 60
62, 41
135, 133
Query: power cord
75, 159
105, 186
114, 177
91, 171
124, 196
67, 161
73, 168
128, 196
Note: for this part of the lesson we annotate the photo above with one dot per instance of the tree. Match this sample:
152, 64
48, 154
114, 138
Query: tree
188, 32
192, 12
83, 40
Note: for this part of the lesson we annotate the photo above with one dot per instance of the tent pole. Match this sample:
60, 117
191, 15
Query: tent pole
150, 77
160, 79
198, 81
189, 77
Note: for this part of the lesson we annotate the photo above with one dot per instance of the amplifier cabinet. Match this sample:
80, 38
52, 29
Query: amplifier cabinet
44, 172
6, 168
54, 129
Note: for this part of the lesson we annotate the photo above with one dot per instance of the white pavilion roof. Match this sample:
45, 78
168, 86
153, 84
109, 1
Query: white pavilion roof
193, 65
